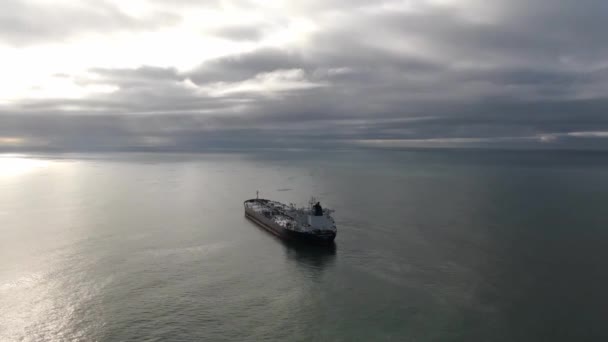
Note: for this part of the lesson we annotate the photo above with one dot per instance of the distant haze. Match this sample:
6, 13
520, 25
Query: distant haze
193, 75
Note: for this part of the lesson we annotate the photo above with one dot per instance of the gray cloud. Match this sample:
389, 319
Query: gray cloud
525, 74
24, 23
240, 32
247, 65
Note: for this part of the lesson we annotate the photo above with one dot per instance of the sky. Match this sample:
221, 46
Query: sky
188, 75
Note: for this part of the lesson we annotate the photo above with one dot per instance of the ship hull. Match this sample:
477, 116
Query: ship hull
288, 234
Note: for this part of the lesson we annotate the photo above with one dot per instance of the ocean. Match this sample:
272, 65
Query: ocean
432, 245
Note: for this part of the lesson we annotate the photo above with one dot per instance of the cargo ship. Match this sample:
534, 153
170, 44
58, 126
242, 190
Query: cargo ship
312, 224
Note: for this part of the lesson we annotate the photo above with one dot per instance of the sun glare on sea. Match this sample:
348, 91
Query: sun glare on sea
14, 165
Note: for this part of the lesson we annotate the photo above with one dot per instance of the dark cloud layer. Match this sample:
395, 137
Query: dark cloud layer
521, 74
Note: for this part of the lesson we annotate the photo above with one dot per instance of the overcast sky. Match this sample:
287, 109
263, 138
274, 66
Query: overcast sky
189, 75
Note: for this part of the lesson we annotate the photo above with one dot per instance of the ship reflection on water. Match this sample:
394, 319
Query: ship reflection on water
313, 257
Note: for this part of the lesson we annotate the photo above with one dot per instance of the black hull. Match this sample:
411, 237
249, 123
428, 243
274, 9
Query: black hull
293, 235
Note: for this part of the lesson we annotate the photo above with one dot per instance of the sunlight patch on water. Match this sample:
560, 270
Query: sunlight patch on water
15, 165
23, 282
53, 306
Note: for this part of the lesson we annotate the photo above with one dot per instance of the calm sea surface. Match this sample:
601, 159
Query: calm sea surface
431, 246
